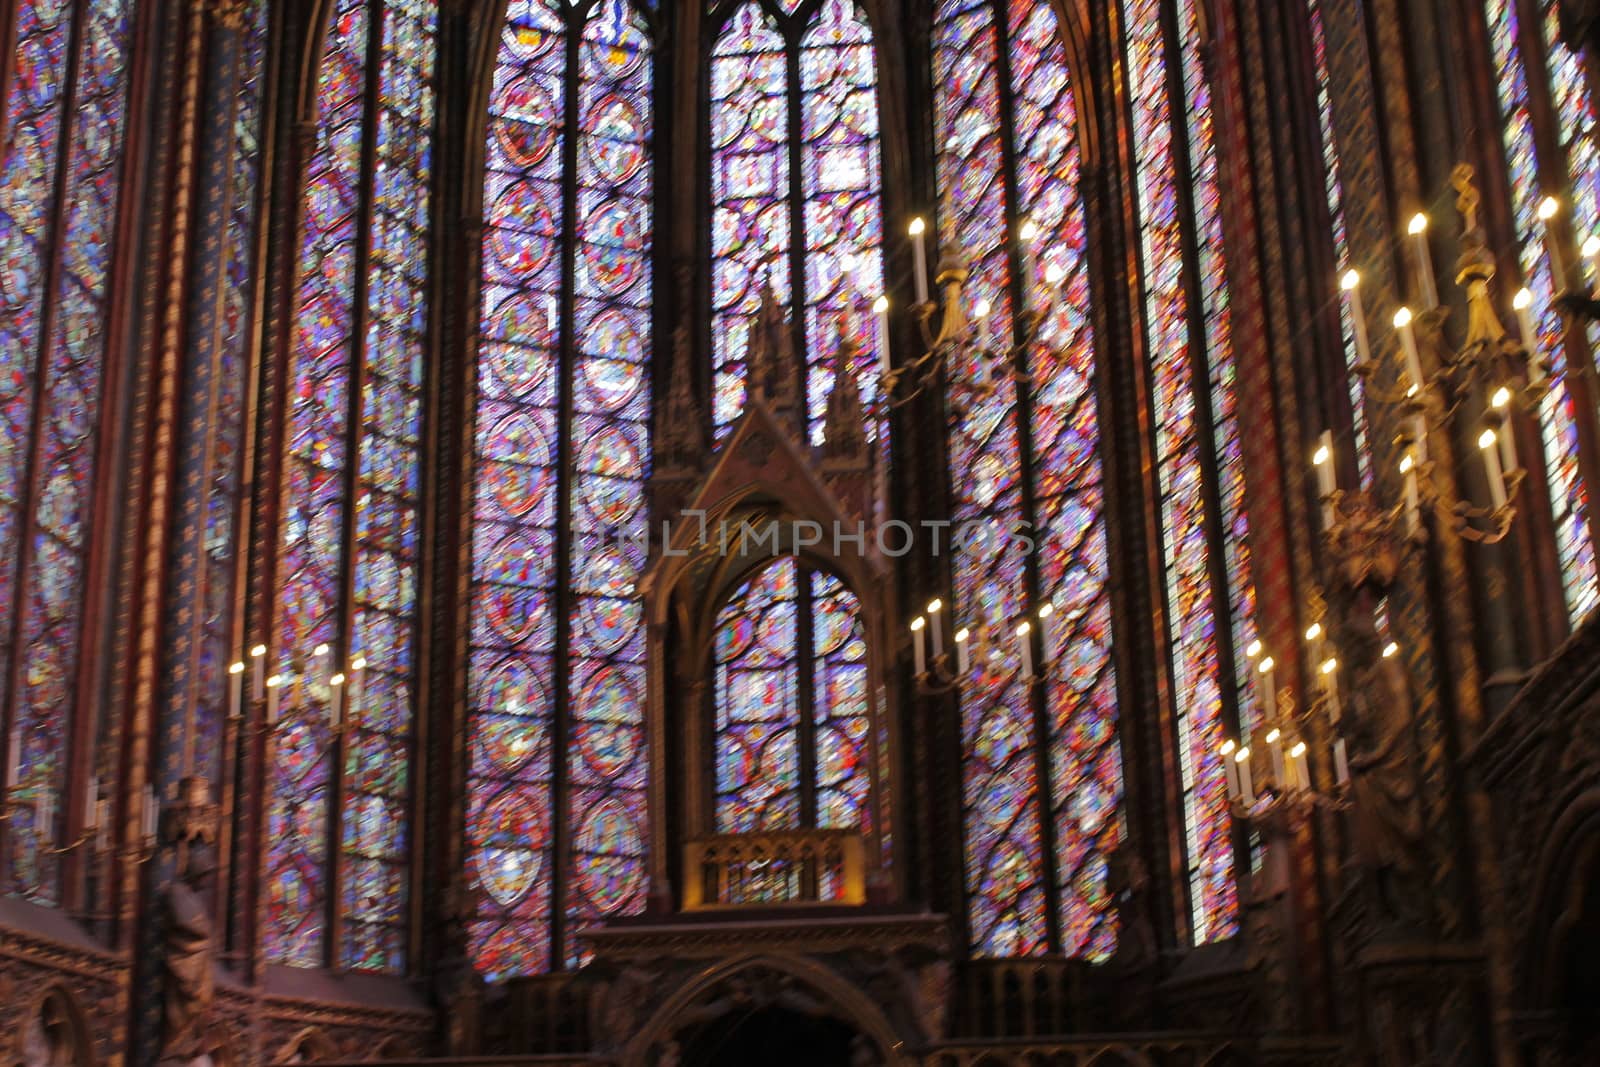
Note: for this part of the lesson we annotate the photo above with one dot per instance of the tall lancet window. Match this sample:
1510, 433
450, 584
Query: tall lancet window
64, 88
1210, 603
557, 760
794, 150
345, 639
1537, 74
1333, 188
792, 707
1042, 779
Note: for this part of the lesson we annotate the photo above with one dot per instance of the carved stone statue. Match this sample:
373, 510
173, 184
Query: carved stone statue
1387, 817
772, 373
186, 965
843, 426
1129, 885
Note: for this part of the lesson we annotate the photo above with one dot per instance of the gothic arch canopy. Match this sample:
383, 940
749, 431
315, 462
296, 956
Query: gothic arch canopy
762, 979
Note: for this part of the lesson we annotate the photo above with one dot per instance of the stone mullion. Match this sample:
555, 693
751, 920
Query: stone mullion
1150, 769
1280, 546
166, 727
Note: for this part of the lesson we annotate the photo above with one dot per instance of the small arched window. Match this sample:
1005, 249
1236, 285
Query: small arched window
793, 706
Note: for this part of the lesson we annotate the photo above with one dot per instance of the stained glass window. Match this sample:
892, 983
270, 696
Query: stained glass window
789, 639
1535, 174
346, 632
556, 680
1334, 190
60, 179
1038, 830
773, 67
1191, 363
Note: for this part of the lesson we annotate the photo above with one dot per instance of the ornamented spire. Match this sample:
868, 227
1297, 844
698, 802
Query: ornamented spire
771, 368
843, 428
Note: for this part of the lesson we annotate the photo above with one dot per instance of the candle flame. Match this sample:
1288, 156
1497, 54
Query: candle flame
359, 663
1406, 463
880, 305
1501, 397
962, 635
1242, 755
1548, 207
1350, 281
320, 650
1321, 455
275, 681
918, 623
917, 227
1486, 439
1523, 300
1023, 627
257, 651
1028, 231
1402, 318
1054, 273
1298, 750
1330, 665
934, 606
1266, 665
1390, 650
1273, 735
1253, 649
1228, 746
236, 668
1046, 610
1313, 631
1418, 224
337, 679
982, 308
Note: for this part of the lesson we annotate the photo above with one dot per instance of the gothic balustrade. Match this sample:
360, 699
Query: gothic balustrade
774, 868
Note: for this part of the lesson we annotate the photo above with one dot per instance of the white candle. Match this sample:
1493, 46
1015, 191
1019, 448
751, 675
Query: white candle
274, 688
358, 676
1030, 264
935, 606
1418, 228
1025, 647
258, 671
1275, 746
1341, 763
1408, 468
91, 799
1549, 208
1300, 772
961, 650
1247, 792
152, 813
1229, 770
1523, 304
14, 763
1269, 703
336, 700
1408, 345
1314, 641
919, 257
1500, 403
880, 312
1330, 687
1046, 610
235, 689
920, 655
1351, 282
980, 318
1488, 445
1419, 436
1327, 478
